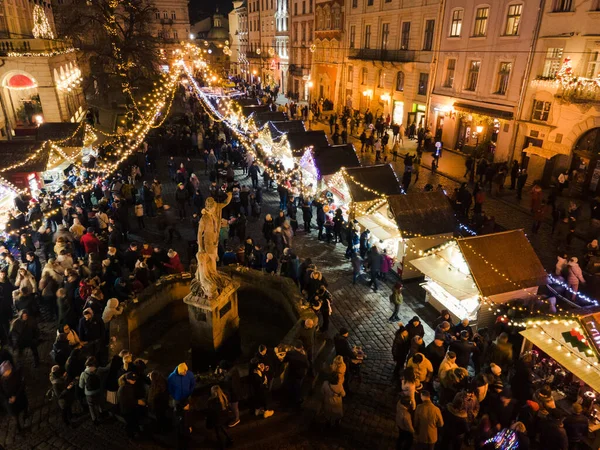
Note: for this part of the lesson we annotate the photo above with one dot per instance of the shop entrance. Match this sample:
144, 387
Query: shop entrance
398, 112
584, 175
22, 102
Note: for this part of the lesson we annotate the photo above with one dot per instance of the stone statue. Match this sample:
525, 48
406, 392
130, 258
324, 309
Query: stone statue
208, 279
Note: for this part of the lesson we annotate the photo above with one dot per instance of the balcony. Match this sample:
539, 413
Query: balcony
164, 21
252, 55
578, 95
299, 70
382, 55
45, 47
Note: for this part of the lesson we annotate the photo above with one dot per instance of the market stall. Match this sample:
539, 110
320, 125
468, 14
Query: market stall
300, 141
22, 162
565, 356
495, 268
277, 128
424, 220
319, 165
262, 118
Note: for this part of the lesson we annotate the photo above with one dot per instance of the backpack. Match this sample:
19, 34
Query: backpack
92, 382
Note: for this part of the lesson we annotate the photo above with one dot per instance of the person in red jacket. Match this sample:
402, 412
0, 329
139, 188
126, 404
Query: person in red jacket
174, 265
90, 242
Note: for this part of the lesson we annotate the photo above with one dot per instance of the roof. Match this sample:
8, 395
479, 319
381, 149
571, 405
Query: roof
300, 140
571, 358
244, 101
13, 152
380, 178
508, 252
59, 131
285, 126
249, 109
426, 213
330, 159
261, 118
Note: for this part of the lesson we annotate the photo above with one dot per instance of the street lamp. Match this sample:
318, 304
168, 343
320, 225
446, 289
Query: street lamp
478, 131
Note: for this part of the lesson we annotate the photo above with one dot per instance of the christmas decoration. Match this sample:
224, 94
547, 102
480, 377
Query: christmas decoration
41, 24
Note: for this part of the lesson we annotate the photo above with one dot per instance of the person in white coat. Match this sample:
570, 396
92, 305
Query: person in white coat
574, 276
111, 310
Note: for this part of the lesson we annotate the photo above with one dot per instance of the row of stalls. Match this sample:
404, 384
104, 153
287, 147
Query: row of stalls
470, 277
45, 168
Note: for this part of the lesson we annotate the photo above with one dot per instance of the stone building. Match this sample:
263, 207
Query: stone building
238, 38
39, 77
559, 127
389, 59
172, 20
479, 78
261, 41
212, 35
282, 44
301, 37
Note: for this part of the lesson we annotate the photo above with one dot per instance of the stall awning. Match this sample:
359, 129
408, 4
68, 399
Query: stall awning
444, 270
379, 226
424, 213
299, 141
549, 339
14, 152
330, 159
483, 110
262, 118
277, 128
381, 179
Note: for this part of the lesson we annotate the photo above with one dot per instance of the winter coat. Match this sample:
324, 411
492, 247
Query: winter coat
576, 426
574, 274
174, 264
181, 386
139, 210
386, 263
428, 418
422, 370
216, 416
374, 260
127, 398
446, 366
455, 426
463, 350
436, 355
111, 310
400, 348
332, 400
403, 418
24, 333
101, 372
415, 330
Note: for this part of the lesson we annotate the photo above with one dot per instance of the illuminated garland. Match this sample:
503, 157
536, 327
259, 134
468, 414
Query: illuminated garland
41, 54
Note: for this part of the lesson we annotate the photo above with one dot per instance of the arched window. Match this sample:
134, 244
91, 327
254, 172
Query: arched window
380, 78
400, 81
337, 17
364, 76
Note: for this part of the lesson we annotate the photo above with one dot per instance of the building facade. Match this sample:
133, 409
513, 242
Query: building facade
301, 53
261, 54
172, 20
327, 51
282, 44
238, 38
559, 128
40, 80
389, 59
484, 55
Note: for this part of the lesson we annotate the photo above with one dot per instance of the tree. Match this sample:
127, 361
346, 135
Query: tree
115, 38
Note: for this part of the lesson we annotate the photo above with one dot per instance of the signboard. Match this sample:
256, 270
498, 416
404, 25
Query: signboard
591, 325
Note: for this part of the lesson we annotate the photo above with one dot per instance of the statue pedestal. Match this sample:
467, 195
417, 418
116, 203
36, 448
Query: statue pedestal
212, 321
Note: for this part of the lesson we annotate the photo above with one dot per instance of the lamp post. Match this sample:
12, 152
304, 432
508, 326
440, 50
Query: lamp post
478, 131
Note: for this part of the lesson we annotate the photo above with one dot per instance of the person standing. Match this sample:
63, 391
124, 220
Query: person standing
333, 393
297, 368
91, 383
396, 299
12, 387
521, 180
181, 383
129, 404
216, 417
374, 263
428, 418
404, 423
24, 333
514, 174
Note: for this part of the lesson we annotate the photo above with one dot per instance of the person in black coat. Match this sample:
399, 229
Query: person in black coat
129, 402
415, 328
521, 381
576, 425
24, 333
6, 305
552, 432
61, 350
455, 426
435, 352
232, 384
503, 410
91, 330
463, 349
64, 392
12, 387
296, 371
216, 415
306, 216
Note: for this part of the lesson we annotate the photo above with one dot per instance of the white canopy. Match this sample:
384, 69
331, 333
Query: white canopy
380, 227
548, 337
448, 268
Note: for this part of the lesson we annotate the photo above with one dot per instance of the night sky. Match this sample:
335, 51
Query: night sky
203, 8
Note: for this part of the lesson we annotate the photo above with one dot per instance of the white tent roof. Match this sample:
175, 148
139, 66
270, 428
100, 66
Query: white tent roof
380, 227
548, 338
449, 269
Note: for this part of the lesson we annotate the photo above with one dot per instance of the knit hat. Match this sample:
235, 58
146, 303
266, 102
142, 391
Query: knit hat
495, 369
182, 368
577, 408
498, 385
439, 337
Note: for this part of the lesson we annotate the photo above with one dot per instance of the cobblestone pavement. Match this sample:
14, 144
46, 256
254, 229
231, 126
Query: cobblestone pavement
369, 412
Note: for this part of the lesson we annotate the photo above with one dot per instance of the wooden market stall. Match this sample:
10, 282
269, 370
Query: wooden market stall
566, 356
424, 220
463, 274
299, 141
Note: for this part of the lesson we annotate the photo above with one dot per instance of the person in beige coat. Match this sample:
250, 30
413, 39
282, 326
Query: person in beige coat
404, 423
338, 367
333, 393
428, 418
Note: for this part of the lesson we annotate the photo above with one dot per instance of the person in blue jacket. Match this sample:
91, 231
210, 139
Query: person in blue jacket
181, 383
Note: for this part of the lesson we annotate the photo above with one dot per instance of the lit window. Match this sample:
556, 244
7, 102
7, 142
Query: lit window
552, 62
367, 36
473, 75
428, 38
380, 78
503, 77
364, 76
450, 70
350, 74
481, 19
456, 24
541, 110
405, 37
513, 19
385, 34
593, 66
